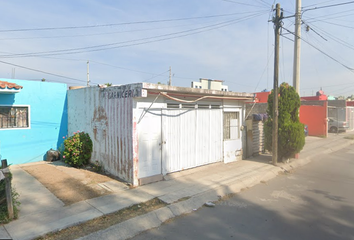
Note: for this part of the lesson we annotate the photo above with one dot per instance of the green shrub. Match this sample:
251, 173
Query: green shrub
77, 149
291, 136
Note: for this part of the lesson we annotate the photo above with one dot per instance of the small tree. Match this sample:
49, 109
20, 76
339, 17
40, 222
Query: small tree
291, 136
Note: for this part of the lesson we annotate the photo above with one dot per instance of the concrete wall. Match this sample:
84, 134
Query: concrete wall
256, 108
107, 116
337, 103
48, 121
350, 118
350, 103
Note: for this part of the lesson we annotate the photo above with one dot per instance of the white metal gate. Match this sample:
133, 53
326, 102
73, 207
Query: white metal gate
191, 138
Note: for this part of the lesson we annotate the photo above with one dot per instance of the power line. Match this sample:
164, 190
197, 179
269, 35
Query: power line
116, 24
101, 63
45, 72
327, 6
336, 24
318, 3
349, 68
92, 34
327, 16
156, 75
240, 3
265, 4
333, 37
129, 43
114, 66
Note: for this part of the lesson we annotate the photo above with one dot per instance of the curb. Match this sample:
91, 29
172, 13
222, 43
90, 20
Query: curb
156, 218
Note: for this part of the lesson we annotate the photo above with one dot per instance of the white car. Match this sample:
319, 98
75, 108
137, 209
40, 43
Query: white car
335, 126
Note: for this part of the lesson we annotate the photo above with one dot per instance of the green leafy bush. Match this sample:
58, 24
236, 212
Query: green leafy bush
291, 136
77, 149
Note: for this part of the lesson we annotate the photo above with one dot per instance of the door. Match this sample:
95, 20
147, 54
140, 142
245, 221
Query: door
149, 130
191, 138
232, 136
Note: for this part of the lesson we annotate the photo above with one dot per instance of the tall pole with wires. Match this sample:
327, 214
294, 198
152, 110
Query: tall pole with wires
297, 47
170, 77
277, 20
88, 73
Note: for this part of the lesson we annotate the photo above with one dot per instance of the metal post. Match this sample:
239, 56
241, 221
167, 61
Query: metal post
277, 25
8, 192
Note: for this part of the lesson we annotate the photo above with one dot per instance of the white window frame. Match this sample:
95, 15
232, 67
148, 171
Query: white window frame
29, 116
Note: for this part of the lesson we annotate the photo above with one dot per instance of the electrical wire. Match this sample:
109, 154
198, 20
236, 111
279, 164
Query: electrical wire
333, 37
116, 24
345, 66
339, 25
264, 3
266, 68
328, 6
129, 43
308, 6
156, 75
240, 3
45, 72
94, 34
327, 16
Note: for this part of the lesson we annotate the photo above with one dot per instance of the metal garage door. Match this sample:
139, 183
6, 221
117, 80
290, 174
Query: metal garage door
191, 138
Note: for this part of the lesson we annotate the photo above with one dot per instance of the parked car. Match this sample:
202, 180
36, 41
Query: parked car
335, 125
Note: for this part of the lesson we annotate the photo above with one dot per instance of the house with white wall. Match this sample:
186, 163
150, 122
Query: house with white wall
210, 84
143, 131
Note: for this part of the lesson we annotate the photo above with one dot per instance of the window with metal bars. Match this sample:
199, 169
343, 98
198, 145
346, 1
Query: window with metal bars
231, 125
14, 117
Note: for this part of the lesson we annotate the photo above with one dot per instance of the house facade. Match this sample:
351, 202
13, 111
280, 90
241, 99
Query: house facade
142, 131
33, 119
210, 84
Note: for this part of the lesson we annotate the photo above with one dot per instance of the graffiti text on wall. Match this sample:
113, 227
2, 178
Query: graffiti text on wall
123, 93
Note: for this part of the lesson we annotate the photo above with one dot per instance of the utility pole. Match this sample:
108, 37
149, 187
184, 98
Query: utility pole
88, 74
277, 24
170, 79
13, 73
297, 47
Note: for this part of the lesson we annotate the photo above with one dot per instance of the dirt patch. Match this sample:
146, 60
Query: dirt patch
69, 184
104, 222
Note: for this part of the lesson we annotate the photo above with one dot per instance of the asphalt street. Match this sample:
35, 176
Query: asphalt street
313, 202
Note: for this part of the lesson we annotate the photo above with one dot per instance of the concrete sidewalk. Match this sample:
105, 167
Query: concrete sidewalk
41, 212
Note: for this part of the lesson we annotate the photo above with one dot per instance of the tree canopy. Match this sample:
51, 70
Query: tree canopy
291, 136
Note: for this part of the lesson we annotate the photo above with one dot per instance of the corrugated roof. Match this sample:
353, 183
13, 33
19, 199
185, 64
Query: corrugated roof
7, 85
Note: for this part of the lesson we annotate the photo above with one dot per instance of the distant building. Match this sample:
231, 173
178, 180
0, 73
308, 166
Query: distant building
320, 96
210, 84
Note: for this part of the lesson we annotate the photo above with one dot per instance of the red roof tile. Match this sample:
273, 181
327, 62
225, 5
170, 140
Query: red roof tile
8, 85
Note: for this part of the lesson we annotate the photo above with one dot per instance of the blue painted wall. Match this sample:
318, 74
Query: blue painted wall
48, 118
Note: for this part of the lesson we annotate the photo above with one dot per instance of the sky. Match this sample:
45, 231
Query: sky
139, 40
